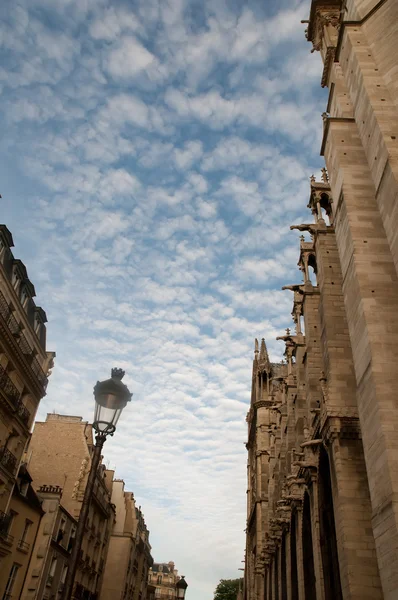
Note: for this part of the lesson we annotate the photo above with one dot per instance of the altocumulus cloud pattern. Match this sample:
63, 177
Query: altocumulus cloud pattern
154, 154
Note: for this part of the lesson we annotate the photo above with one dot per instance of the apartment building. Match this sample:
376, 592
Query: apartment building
60, 453
129, 557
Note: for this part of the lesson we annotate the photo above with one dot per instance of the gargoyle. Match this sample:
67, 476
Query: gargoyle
311, 227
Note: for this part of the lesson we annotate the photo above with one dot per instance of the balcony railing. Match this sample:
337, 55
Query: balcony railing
23, 546
8, 460
23, 413
21, 340
5, 521
82, 593
102, 501
14, 395
11, 391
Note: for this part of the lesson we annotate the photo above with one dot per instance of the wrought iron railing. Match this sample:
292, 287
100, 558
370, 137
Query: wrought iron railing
5, 521
8, 460
11, 391
21, 340
14, 395
23, 413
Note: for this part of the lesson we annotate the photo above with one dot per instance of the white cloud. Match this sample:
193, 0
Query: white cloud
112, 22
161, 150
128, 58
189, 154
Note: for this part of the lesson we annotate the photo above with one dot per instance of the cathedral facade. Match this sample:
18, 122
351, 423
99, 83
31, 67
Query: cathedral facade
322, 518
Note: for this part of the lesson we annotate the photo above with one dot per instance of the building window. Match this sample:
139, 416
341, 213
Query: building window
62, 579
159, 580
61, 530
22, 544
158, 592
12, 516
23, 488
51, 573
71, 538
37, 325
24, 298
10, 582
15, 279
26, 529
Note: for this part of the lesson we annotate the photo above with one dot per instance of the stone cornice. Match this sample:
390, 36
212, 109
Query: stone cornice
327, 127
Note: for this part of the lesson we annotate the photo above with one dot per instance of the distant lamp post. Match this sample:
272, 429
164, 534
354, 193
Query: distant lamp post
111, 397
181, 588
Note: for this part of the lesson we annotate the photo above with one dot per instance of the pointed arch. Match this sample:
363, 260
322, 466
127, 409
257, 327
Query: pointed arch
308, 553
293, 557
283, 569
330, 560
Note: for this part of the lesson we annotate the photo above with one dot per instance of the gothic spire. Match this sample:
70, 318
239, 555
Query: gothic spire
264, 353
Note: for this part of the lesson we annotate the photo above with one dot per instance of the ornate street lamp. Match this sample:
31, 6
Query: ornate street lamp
111, 397
181, 588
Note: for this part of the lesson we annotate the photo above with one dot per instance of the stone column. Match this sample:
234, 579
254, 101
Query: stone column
299, 546
370, 287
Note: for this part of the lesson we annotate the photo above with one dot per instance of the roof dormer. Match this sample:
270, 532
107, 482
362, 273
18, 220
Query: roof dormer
6, 241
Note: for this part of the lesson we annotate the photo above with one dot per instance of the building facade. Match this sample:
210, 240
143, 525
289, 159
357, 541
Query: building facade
322, 520
25, 513
52, 548
24, 367
129, 556
60, 453
164, 577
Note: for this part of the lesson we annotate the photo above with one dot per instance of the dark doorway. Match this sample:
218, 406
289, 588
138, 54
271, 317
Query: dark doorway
330, 559
293, 557
270, 581
283, 569
266, 585
308, 553
276, 575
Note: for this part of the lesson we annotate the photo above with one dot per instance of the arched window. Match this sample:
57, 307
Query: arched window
312, 269
326, 208
330, 560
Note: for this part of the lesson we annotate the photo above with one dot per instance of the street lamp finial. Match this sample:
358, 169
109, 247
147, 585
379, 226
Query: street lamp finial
117, 373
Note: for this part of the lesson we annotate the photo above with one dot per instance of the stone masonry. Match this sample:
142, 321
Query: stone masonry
322, 520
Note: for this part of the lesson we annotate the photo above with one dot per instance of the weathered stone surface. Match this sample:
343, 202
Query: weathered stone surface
323, 428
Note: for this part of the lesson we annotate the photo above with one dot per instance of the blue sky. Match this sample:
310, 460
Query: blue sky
153, 156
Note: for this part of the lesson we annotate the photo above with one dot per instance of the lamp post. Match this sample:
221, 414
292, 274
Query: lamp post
111, 396
181, 588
